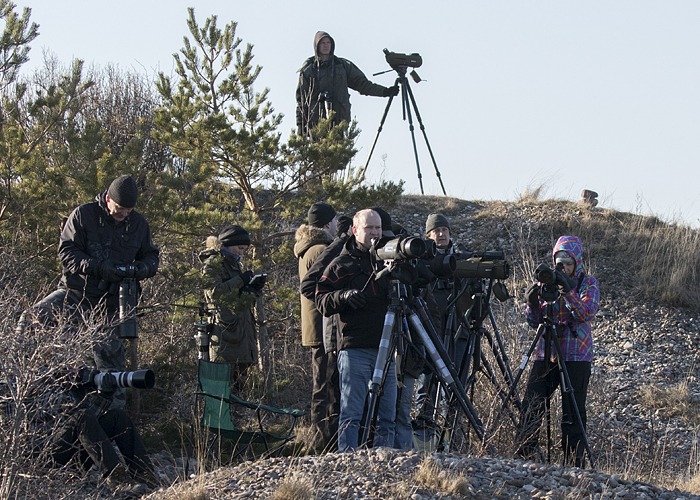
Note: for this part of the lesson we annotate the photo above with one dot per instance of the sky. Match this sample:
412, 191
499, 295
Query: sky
516, 95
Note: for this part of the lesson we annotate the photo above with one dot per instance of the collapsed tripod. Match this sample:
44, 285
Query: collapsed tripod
399, 323
548, 329
406, 93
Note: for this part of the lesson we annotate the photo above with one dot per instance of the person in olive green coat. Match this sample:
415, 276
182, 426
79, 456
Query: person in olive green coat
311, 240
230, 300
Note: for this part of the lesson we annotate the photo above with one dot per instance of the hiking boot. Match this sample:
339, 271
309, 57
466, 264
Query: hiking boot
121, 483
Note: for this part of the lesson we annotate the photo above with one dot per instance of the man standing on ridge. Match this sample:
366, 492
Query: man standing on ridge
324, 80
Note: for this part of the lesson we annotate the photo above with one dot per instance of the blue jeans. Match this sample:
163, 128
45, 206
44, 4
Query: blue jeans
356, 367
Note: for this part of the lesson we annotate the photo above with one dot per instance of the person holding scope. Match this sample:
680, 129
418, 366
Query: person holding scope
324, 80
574, 296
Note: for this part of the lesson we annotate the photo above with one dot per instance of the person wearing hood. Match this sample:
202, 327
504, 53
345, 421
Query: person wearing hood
230, 298
573, 311
311, 240
97, 241
324, 80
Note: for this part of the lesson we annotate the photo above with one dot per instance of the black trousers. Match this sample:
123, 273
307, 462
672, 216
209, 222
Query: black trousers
543, 380
325, 397
91, 438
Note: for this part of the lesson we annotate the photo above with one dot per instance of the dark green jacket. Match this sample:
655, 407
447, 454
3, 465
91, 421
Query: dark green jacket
334, 76
234, 338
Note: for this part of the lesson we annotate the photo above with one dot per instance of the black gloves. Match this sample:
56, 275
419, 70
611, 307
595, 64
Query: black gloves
532, 295
391, 91
352, 298
109, 271
259, 283
108, 386
142, 270
564, 281
246, 277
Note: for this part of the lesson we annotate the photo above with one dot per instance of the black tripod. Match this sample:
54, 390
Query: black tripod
407, 93
548, 329
471, 360
399, 323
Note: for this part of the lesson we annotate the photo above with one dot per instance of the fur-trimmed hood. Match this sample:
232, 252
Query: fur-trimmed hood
307, 236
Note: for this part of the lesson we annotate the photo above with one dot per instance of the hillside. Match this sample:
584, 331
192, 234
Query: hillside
644, 396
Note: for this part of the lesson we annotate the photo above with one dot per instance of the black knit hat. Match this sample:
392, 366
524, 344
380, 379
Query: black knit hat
234, 235
436, 220
123, 191
386, 220
344, 225
320, 214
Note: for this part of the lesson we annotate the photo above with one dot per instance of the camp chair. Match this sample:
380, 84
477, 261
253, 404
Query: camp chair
215, 388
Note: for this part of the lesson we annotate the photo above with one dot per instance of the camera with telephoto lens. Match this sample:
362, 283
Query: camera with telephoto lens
399, 257
139, 379
396, 59
487, 265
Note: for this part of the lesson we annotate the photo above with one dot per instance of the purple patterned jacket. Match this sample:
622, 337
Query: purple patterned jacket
574, 310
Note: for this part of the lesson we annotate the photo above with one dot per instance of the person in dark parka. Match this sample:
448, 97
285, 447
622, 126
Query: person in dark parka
324, 80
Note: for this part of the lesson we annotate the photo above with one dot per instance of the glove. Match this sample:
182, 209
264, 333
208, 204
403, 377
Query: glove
353, 298
110, 272
565, 282
259, 284
108, 386
532, 296
246, 277
391, 91
143, 271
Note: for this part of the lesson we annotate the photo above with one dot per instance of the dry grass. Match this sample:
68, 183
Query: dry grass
673, 401
294, 488
433, 476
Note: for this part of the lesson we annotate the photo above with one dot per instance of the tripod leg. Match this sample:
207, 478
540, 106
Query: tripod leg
425, 136
387, 345
405, 89
568, 393
381, 126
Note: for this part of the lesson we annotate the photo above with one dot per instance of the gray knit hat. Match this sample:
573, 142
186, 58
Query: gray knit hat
436, 220
123, 191
320, 214
234, 235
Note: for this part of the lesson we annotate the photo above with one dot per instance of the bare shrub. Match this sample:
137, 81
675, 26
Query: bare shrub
294, 488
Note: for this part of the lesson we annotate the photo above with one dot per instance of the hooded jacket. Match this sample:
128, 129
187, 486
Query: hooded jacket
360, 328
310, 243
573, 311
91, 236
334, 76
233, 339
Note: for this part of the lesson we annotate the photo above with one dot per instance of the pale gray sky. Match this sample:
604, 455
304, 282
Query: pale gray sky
600, 95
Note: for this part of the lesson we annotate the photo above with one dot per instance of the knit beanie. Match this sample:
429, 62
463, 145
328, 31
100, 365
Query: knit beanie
436, 220
344, 225
386, 220
123, 191
320, 214
234, 235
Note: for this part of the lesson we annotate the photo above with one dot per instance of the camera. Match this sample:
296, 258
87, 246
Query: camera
139, 379
546, 275
488, 265
396, 59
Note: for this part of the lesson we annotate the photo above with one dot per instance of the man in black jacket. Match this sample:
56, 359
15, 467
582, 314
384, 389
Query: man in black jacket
324, 80
98, 240
348, 288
